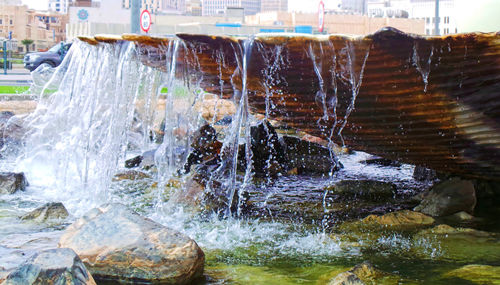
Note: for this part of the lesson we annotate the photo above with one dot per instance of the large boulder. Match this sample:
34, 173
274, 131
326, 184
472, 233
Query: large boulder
116, 243
53, 266
449, 197
309, 157
47, 212
400, 219
11, 182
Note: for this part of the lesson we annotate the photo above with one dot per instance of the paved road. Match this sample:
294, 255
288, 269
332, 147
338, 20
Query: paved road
17, 76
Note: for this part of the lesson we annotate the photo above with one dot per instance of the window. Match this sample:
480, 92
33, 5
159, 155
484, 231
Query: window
1, 21
11, 22
428, 20
427, 32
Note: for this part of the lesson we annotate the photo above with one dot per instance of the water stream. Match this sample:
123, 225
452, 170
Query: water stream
108, 107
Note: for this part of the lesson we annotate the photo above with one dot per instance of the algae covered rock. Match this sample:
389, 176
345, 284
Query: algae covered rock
449, 197
131, 175
49, 211
116, 243
346, 278
365, 273
53, 266
460, 244
478, 274
364, 189
403, 218
11, 182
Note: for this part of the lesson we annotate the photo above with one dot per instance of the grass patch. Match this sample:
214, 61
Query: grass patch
16, 61
13, 89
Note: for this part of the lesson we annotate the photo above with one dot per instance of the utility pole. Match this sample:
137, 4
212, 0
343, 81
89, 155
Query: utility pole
436, 19
135, 14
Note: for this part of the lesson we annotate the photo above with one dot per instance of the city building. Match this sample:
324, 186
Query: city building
45, 28
193, 8
355, 6
273, 5
218, 7
173, 6
418, 9
337, 23
60, 6
425, 9
153, 6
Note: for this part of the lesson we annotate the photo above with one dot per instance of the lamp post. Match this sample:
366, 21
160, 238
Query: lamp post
436, 19
135, 12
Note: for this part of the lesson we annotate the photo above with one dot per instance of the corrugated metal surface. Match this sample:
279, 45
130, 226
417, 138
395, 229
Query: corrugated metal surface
426, 101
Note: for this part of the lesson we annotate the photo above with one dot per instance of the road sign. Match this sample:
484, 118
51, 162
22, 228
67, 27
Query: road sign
145, 21
321, 16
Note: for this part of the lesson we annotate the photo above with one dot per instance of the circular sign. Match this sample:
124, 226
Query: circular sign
145, 20
83, 14
321, 16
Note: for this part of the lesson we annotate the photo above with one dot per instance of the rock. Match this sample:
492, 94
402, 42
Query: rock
421, 173
12, 132
212, 108
309, 157
346, 278
49, 211
376, 160
131, 175
365, 273
11, 182
479, 274
133, 162
403, 218
268, 155
205, 148
459, 244
53, 266
364, 189
449, 197
117, 244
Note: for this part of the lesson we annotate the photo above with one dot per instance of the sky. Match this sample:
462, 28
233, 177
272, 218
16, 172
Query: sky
477, 15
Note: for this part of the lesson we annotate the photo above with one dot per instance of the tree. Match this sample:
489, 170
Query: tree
27, 43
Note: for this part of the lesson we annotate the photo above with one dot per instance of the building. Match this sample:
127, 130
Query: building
153, 6
355, 6
193, 8
173, 6
60, 6
418, 9
425, 9
337, 23
218, 7
273, 5
44, 28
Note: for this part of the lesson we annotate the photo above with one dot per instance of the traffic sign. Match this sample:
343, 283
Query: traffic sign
145, 21
321, 16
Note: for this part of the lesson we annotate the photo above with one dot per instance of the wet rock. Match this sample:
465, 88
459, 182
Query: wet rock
364, 189
47, 212
268, 155
11, 182
144, 161
365, 273
403, 218
118, 244
376, 160
478, 274
346, 278
449, 197
131, 175
421, 173
53, 266
12, 132
205, 148
444, 242
309, 157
